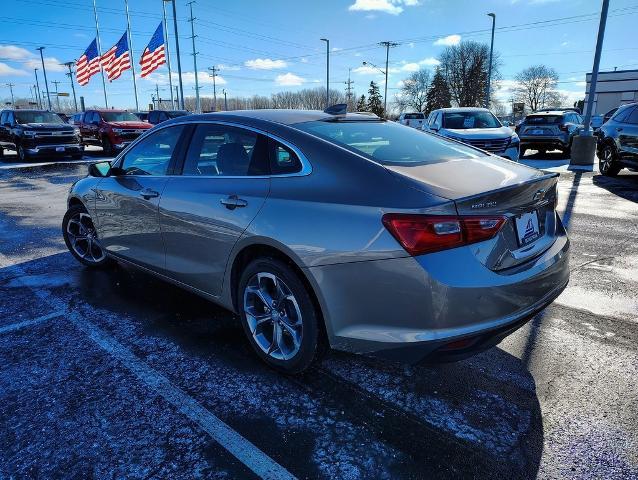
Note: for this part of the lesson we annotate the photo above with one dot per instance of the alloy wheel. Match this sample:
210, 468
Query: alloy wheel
606, 160
83, 238
273, 316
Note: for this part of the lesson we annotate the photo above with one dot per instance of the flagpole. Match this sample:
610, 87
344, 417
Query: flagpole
168, 56
99, 52
130, 51
179, 63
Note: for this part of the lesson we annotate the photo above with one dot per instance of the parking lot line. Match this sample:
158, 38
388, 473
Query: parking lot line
27, 323
242, 449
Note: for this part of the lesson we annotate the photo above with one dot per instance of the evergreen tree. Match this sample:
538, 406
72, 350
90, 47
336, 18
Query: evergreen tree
375, 105
362, 105
439, 94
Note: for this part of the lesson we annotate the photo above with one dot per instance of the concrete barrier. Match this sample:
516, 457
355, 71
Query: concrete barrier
583, 150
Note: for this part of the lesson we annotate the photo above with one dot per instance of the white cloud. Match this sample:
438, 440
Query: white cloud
392, 7
11, 52
411, 44
52, 64
366, 70
304, 60
161, 78
221, 66
265, 64
336, 49
7, 71
430, 61
448, 41
416, 66
289, 80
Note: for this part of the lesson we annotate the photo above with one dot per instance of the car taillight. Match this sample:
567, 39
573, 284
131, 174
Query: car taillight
419, 234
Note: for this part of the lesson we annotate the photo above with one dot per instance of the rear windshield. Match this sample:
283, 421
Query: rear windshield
543, 119
464, 120
414, 116
390, 143
119, 117
37, 117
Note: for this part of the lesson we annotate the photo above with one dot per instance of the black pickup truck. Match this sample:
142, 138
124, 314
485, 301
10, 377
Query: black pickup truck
34, 133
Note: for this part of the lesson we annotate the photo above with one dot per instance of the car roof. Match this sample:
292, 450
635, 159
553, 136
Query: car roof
284, 117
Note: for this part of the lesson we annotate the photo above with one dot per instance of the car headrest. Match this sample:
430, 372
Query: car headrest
232, 159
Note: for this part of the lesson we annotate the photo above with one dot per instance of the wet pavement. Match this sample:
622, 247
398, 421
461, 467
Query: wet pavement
117, 374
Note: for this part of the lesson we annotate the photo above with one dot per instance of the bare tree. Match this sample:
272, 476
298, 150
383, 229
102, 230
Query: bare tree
536, 87
414, 92
465, 68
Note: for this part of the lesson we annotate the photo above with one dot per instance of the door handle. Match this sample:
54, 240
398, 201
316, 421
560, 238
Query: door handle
147, 194
233, 201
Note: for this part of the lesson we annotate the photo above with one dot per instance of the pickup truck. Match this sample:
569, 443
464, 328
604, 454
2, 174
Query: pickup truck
112, 130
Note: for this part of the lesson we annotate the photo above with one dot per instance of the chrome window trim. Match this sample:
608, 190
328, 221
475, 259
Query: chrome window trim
306, 166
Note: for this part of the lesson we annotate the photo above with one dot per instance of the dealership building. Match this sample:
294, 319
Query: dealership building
613, 89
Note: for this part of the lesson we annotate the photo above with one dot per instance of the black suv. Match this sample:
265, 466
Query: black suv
549, 130
38, 132
618, 141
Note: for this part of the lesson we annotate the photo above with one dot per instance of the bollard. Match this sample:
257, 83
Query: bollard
583, 150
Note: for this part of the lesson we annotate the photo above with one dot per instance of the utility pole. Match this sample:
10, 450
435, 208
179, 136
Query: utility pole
10, 85
387, 46
168, 55
44, 70
70, 75
594, 72
57, 96
179, 62
327, 70
214, 69
349, 88
99, 51
157, 96
198, 107
489, 70
225, 101
37, 84
130, 51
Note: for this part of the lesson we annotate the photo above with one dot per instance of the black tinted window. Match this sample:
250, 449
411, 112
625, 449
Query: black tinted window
37, 117
221, 150
633, 117
543, 119
152, 155
390, 143
119, 117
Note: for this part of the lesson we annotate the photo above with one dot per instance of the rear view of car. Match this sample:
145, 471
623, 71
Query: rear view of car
414, 120
549, 130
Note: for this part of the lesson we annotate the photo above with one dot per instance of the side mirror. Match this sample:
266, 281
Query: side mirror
100, 169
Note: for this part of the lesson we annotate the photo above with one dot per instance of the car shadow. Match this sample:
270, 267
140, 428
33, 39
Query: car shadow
625, 185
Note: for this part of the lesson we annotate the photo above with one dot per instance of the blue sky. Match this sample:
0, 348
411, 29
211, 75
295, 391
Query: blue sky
266, 46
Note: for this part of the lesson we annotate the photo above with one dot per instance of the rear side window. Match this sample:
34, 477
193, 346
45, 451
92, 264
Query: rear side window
633, 117
389, 143
543, 119
282, 159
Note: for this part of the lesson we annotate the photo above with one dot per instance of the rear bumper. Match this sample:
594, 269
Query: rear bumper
412, 309
534, 143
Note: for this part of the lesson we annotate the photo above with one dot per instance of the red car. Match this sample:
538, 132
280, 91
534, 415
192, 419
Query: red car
110, 129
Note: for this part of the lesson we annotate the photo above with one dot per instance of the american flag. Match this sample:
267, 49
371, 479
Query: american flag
88, 64
117, 59
153, 55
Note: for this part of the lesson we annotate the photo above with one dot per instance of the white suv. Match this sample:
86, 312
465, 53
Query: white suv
477, 127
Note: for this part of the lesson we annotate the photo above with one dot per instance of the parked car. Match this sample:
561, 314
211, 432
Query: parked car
474, 126
320, 230
158, 116
111, 129
618, 141
415, 120
76, 119
549, 130
141, 115
38, 132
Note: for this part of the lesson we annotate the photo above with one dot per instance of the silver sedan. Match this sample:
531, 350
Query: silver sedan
330, 230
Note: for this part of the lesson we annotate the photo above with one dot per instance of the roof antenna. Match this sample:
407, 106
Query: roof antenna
338, 109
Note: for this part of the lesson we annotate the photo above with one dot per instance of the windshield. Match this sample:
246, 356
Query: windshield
176, 113
119, 117
543, 119
37, 117
389, 143
470, 119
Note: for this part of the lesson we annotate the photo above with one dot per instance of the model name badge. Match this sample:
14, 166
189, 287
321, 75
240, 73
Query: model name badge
483, 205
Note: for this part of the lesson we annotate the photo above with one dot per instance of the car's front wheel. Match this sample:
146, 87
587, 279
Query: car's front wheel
279, 316
22, 154
107, 146
81, 238
607, 162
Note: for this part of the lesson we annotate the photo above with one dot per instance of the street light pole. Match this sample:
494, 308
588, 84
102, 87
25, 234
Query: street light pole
70, 74
57, 94
37, 84
198, 108
327, 70
44, 70
489, 70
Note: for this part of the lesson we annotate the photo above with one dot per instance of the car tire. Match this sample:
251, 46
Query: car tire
81, 238
608, 163
23, 156
107, 146
286, 335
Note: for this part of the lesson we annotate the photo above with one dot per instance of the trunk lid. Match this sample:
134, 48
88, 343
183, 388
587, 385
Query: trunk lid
490, 186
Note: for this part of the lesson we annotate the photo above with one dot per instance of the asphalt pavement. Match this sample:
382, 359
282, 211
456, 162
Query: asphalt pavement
115, 374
